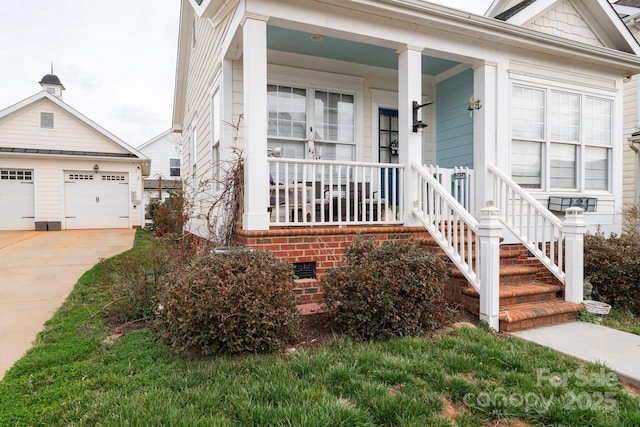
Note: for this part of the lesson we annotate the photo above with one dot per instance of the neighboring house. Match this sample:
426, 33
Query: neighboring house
629, 11
60, 170
164, 152
340, 103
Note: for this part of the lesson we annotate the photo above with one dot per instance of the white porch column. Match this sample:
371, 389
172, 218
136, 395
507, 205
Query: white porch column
254, 85
574, 227
484, 131
489, 233
409, 142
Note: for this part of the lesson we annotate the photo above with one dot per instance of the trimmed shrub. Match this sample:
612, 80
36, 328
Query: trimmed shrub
386, 291
613, 265
236, 302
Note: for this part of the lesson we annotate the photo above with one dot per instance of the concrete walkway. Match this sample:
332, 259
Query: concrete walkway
38, 270
619, 351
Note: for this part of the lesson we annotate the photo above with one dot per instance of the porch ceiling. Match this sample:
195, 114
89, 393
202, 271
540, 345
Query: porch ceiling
299, 42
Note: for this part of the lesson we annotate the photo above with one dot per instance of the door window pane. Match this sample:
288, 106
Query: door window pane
563, 166
526, 161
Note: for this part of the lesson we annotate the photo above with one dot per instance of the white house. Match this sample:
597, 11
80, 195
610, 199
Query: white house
60, 170
629, 11
344, 104
164, 152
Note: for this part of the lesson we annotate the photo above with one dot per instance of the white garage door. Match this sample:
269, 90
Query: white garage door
96, 200
17, 209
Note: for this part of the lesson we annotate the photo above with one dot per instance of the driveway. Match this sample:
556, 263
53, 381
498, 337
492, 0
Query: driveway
38, 270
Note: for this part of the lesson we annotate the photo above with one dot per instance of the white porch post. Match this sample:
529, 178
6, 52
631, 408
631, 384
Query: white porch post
484, 131
574, 227
410, 143
489, 233
256, 170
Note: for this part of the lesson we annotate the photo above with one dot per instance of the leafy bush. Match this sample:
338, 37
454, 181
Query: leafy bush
237, 302
613, 265
386, 291
135, 278
168, 216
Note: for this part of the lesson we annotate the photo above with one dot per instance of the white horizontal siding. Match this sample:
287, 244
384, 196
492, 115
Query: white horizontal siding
22, 130
629, 157
160, 152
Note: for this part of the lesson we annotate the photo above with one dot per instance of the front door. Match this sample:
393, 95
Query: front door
388, 151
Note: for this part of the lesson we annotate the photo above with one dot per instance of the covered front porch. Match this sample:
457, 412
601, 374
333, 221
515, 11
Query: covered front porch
340, 129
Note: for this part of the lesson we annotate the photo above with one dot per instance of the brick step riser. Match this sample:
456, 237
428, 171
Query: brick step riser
472, 303
537, 322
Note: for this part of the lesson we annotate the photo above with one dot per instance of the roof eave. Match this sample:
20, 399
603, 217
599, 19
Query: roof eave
480, 26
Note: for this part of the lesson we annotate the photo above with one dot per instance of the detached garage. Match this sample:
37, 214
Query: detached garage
59, 170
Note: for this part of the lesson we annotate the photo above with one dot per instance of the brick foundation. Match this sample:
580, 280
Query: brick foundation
323, 245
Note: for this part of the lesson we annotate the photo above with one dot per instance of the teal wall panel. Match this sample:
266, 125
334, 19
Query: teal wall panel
454, 127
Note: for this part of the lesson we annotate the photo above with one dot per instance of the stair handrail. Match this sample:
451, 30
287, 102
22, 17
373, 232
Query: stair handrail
547, 245
448, 222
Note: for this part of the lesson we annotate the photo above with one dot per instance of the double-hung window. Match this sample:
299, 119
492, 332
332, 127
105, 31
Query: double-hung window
561, 140
308, 123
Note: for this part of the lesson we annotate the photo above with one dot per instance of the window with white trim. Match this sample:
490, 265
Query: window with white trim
216, 123
311, 123
174, 167
561, 140
47, 120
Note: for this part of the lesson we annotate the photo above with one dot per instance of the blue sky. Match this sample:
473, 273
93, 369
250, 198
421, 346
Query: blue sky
116, 58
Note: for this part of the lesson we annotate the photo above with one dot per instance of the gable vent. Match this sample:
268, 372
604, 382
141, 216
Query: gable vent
46, 120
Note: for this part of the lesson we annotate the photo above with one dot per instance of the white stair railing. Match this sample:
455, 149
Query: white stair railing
530, 222
459, 180
450, 224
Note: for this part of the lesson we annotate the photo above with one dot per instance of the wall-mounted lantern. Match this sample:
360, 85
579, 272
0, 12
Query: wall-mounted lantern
418, 124
474, 104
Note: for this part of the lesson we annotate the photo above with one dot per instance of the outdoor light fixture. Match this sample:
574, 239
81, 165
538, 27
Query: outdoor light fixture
418, 124
96, 168
474, 104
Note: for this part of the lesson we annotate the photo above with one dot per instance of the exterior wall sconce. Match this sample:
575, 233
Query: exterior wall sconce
474, 104
418, 124
96, 168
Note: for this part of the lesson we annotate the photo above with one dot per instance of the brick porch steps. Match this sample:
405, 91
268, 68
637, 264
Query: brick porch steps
535, 314
528, 296
521, 293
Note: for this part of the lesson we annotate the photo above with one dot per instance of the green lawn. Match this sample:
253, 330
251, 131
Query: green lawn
469, 378
623, 320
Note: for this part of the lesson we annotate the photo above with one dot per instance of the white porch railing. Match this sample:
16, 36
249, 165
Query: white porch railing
447, 220
530, 222
460, 181
323, 192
